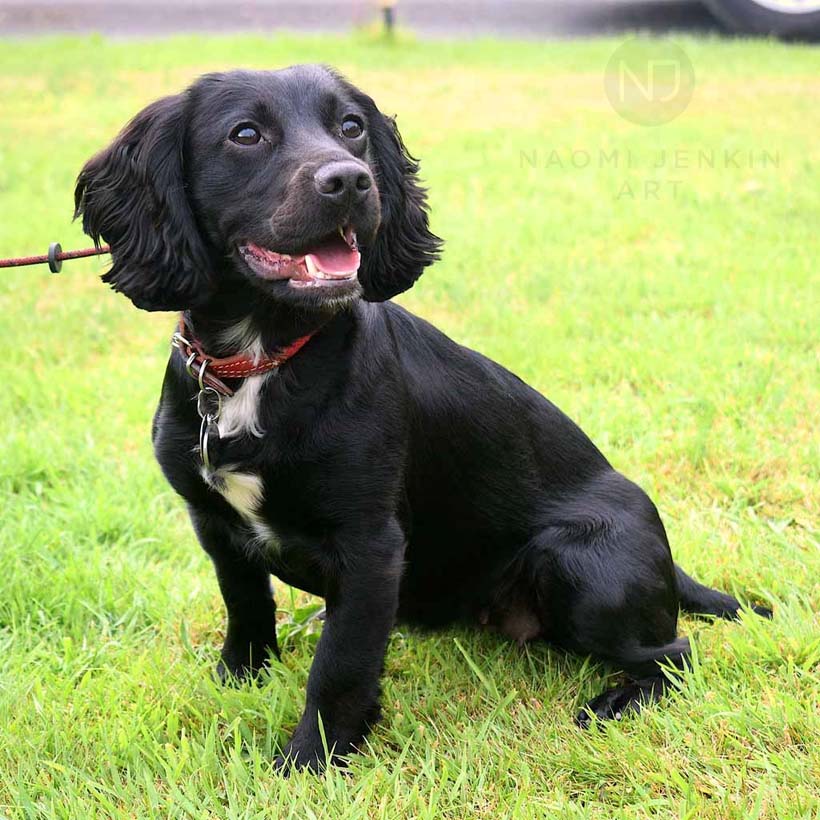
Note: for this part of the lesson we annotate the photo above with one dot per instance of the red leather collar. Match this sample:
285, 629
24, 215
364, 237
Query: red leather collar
209, 370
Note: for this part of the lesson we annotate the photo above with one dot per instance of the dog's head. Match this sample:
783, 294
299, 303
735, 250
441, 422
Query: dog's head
290, 182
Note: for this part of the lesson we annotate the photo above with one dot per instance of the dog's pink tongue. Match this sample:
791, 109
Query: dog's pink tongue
334, 257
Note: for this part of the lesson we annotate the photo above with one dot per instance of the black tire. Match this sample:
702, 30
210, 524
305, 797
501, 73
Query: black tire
752, 17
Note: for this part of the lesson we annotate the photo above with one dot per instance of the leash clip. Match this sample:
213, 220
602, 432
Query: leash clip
208, 427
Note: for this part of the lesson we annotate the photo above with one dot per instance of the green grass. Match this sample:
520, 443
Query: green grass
681, 332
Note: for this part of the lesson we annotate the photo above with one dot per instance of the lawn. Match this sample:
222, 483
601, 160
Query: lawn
658, 284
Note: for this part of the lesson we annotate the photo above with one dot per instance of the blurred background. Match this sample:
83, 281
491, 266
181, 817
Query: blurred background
528, 18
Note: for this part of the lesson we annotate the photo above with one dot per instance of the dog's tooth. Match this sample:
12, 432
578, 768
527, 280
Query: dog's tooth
311, 266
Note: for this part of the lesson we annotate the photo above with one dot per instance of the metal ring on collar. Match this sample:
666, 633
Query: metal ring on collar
201, 375
179, 341
202, 410
191, 359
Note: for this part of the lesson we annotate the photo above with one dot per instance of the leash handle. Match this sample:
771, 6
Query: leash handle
54, 258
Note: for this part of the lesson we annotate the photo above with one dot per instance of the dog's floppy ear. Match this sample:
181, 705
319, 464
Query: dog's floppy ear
132, 196
404, 245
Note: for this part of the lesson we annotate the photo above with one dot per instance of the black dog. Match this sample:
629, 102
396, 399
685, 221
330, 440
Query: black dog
382, 466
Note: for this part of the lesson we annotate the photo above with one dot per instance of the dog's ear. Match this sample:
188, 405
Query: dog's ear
404, 245
132, 196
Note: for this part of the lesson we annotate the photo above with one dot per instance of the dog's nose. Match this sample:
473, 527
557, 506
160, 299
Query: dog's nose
343, 181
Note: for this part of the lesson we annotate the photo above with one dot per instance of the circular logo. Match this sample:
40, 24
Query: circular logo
649, 82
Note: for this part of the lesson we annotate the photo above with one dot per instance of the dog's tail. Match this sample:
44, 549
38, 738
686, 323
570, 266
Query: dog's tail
703, 600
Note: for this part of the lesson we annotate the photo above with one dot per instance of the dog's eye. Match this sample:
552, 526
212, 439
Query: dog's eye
352, 127
245, 134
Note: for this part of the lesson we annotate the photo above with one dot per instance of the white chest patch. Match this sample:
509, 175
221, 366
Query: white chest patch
245, 493
240, 412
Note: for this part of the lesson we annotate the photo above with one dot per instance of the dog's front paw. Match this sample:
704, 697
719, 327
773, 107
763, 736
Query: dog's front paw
309, 753
313, 759
244, 661
228, 673
314, 762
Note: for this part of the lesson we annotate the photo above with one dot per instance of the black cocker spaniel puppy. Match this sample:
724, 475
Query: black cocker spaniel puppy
322, 434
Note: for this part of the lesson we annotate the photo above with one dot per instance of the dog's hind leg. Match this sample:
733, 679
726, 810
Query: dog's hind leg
615, 703
590, 613
702, 600
606, 587
623, 642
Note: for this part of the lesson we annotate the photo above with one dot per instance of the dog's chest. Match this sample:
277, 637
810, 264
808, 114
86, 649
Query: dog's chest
245, 492
239, 483
239, 414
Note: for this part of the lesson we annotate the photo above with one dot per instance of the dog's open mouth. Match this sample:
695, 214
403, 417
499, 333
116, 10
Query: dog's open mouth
334, 261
